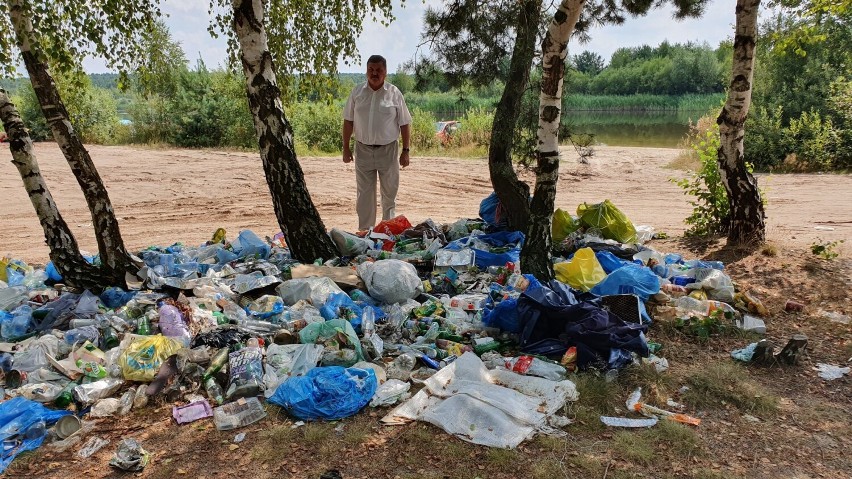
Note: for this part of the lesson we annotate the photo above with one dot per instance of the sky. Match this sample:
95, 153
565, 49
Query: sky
398, 43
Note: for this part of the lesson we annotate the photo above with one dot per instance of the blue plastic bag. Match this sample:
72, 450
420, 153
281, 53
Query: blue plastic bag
21, 427
114, 298
610, 262
491, 211
630, 279
249, 244
340, 305
328, 393
513, 240
504, 315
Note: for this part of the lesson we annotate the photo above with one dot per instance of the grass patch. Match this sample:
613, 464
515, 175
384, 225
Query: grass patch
501, 457
716, 385
272, 440
769, 250
357, 430
548, 469
597, 397
686, 160
678, 439
634, 447
656, 387
317, 432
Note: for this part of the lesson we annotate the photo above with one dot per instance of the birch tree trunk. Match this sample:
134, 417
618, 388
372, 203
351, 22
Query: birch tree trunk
295, 211
536, 252
113, 256
513, 193
747, 225
64, 252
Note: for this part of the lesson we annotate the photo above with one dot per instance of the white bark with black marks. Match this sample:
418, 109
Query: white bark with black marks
64, 251
536, 253
113, 256
295, 211
747, 226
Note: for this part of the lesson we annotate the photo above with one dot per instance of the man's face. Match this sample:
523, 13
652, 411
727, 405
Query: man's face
376, 73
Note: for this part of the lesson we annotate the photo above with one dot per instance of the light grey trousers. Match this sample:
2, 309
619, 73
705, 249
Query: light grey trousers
372, 162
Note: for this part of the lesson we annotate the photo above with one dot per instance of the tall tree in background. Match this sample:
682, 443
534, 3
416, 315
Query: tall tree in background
469, 40
62, 33
747, 225
535, 255
305, 38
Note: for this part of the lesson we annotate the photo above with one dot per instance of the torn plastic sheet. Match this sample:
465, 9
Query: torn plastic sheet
493, 408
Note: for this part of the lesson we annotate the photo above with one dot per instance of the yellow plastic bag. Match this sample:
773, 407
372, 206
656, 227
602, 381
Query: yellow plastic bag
563, 225
583, 272
143, 357
612, 223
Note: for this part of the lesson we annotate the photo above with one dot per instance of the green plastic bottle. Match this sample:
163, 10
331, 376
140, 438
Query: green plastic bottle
66, 396
143, 327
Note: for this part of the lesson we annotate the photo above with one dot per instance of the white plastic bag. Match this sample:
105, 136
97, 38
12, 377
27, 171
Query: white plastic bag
315, 289
391, 280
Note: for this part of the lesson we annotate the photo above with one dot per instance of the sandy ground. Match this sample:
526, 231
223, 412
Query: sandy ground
162, 196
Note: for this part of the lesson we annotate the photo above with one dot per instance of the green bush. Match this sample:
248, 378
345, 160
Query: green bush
764, 143
809, 137
711, 212
317, 126
92, 111
423, 131
476, 128
151, 121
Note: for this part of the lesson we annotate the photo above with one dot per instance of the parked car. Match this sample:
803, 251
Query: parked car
445, 130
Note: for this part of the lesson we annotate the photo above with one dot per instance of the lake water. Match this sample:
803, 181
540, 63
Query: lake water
661, 129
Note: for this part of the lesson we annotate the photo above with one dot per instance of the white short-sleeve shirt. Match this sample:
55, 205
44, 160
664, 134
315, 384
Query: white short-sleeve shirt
376, 115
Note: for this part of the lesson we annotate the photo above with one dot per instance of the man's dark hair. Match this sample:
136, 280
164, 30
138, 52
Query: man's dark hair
378, 59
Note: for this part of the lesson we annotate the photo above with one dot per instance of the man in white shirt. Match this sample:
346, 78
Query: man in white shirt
376, 113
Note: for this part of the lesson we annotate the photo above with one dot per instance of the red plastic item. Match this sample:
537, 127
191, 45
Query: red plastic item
393, 226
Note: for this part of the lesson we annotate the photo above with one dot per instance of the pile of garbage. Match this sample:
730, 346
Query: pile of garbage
438, 318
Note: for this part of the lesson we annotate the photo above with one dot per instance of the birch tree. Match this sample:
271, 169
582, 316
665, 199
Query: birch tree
307, 37
61, 33
747, 226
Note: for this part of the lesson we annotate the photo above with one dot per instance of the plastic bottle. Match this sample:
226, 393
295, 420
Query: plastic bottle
81, 335
368, 322
214, 391
705, 307
67, 395
82, 322
216, 364
6, 361
143, 326
402, 366
532, 366
109, 339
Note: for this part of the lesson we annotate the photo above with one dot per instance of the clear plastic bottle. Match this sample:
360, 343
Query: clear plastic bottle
81, 335
532, 366
368, 322
214, 391
402, 366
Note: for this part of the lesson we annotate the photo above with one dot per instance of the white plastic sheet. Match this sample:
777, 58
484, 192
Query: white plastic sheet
492, 408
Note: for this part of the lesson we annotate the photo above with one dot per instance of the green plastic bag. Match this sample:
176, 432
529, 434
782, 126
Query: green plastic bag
319, 332
583, 272
563, 225
605, 217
